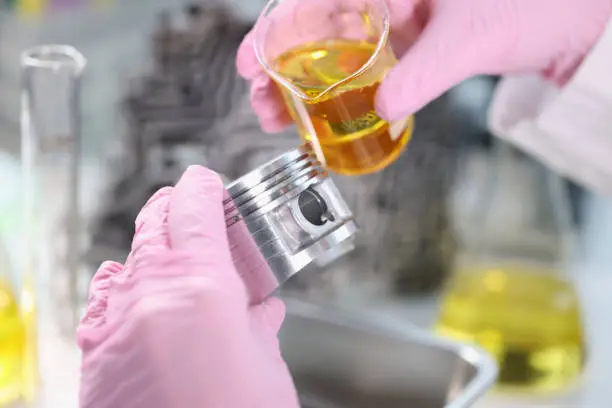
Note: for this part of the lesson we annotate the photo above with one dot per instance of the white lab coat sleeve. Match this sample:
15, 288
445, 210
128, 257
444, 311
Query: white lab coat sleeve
568, 129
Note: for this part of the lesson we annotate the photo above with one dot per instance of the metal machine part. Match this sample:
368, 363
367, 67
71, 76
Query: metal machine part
281, 217
359, 360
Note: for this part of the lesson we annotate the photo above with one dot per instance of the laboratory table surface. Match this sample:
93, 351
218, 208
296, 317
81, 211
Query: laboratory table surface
113, 38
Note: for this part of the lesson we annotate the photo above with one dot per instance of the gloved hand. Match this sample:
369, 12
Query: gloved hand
171, 328
442, 42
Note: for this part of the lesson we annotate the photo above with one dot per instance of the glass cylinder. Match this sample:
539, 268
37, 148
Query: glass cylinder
329, 58
511, 292
51, 141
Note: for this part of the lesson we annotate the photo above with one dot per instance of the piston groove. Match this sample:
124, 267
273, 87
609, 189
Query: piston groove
272, 184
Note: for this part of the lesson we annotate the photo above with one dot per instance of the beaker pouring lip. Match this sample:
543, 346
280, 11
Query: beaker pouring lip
263, 61
54, 56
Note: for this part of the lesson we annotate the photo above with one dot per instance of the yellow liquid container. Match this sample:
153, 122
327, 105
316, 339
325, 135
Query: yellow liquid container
353, 139
511, 291
12, 347
329, 73
526, 317
18, 340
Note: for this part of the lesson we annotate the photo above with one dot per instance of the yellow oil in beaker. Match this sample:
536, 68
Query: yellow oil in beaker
353, 139
527, 317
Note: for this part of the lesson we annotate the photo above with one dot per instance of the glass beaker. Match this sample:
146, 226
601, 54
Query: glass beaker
510, 291
51, 142
328, 58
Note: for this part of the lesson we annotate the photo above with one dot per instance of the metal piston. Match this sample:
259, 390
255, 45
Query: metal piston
281, 217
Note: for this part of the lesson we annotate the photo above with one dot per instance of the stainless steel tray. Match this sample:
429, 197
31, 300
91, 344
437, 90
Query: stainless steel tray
341, 360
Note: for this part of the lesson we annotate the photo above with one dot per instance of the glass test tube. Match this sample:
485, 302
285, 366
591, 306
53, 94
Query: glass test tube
50, 137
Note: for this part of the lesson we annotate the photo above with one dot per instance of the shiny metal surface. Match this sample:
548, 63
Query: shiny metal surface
281, 217
342, 360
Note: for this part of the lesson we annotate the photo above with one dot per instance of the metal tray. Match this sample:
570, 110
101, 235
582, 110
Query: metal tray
342, 360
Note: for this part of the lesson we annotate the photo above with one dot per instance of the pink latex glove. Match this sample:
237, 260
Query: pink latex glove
171, 328
442, 42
